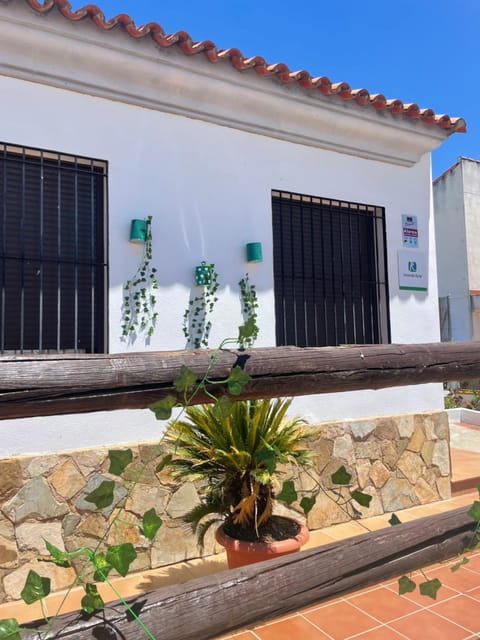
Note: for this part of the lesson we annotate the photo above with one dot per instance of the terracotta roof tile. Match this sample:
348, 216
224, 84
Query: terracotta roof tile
342, 90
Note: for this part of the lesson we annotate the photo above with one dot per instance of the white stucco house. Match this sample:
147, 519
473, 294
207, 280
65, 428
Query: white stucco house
456, 195
103, 122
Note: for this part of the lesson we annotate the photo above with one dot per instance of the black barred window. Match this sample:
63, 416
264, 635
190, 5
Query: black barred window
329, 260
53, 267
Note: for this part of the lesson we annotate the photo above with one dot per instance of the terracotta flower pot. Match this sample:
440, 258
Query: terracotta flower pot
240, 553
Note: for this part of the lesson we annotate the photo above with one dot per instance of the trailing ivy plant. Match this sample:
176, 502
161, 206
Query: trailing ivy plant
248, 295
196, 319
139, 300
429, 587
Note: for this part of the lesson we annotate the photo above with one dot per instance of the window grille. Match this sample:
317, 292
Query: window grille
330, 279
53, 268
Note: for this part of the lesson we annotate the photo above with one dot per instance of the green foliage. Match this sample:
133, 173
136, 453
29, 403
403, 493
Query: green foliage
249, 330
92, 600
237, 380
102, 496
102, 567
163, 408
36, 587
151, 523
236, 455
121, 556
406, 585
119, 460
363, 499
307, 503
60, 558
185, 379
474, 511
196, 319
341, 477
394, 520
139, 300
9, 629
288, 493
430, 588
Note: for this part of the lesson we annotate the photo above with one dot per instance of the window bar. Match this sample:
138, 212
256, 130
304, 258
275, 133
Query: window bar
361, 270
40, 314
4, 249
324, 289
351, 219
75, 346
59, 253
343, 215
93, 258
314, 278
22, 255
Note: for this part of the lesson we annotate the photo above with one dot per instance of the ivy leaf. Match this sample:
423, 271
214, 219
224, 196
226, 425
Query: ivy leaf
267, 456
474, 511
163, 408
60, 558
405, 585
223, 407
102, 567
9, 629
288, 493
430, 588
394, 520
459, 564
92, 601
363, 499
120, 556
237, 380
151, 523
35, 588
185, 380
341, 476
102, 496
163, 463
307, 504
119, 460
247, 330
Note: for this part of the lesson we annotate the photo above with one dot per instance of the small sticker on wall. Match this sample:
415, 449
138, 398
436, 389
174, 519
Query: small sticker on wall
409, 231
413, 270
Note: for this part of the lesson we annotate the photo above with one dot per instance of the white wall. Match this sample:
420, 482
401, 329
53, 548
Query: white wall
206, 179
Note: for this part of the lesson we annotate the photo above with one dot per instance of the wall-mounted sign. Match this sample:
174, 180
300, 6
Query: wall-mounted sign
409, 231
413, 270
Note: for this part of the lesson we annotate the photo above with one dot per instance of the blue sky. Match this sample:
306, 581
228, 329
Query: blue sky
423, 52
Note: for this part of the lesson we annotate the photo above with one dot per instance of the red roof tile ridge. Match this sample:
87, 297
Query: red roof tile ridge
303, 78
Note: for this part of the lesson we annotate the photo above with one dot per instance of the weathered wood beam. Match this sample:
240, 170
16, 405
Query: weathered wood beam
207, 607
60, 384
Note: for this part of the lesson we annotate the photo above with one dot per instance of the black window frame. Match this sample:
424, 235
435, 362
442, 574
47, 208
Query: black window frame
330, 271
53, 251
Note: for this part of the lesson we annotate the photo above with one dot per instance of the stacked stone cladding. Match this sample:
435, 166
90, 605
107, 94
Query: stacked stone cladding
401, 461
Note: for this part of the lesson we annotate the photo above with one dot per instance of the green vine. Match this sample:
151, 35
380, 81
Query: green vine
248, 294
196, 319
139, 300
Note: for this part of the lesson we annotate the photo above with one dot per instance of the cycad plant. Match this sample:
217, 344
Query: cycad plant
236, 454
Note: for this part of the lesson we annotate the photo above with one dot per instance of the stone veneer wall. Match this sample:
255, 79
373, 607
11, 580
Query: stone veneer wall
400, 460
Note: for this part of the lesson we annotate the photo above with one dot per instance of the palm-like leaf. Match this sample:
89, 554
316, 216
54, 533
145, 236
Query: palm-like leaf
236, 455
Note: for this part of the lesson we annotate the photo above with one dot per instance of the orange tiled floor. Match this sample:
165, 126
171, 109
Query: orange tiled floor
379, 613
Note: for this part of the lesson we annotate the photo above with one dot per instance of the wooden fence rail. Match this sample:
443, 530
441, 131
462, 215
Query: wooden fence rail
210, 606
61, 384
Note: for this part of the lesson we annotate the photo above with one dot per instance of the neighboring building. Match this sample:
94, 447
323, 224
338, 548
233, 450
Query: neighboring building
456, 195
